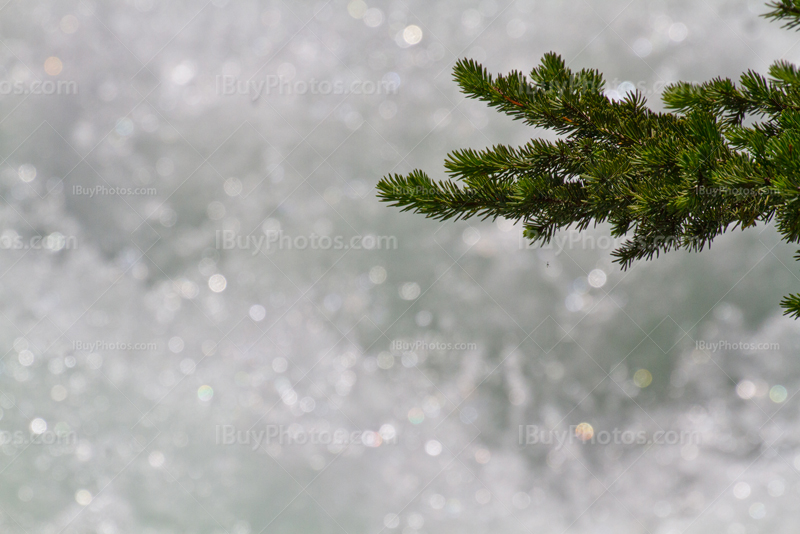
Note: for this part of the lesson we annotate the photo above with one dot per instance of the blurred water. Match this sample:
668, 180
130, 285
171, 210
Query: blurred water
393, 385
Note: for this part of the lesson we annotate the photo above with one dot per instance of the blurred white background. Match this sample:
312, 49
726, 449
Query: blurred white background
242, 339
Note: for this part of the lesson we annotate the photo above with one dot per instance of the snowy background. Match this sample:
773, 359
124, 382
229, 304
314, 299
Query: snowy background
155, 380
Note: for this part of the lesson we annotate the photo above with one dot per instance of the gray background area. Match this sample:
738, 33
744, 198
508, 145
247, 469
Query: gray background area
392, 382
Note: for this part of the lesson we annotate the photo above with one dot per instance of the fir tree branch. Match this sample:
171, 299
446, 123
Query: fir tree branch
667, 181
788, 10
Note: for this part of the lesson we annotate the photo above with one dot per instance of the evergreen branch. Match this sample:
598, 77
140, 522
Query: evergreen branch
788, 10
667, 181
791, 306
441, 200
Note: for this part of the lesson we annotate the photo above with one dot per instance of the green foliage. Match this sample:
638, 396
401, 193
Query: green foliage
786, 10
664, 180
